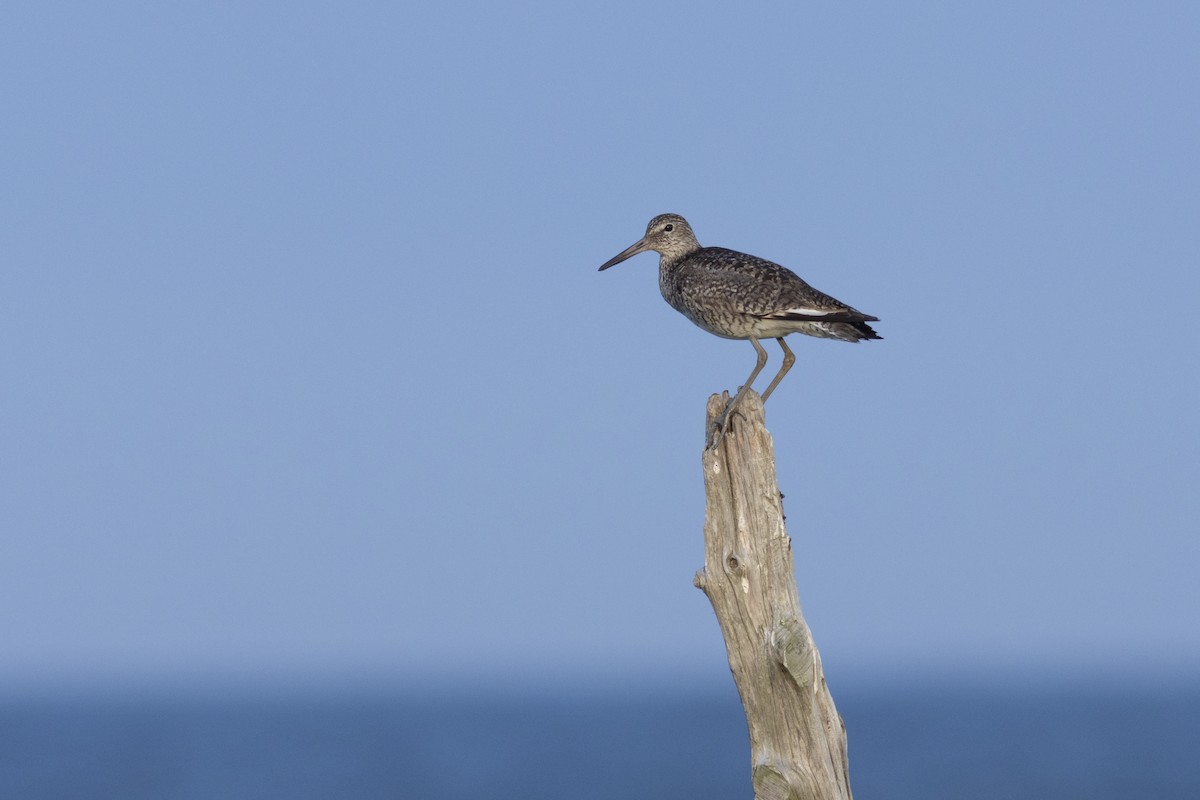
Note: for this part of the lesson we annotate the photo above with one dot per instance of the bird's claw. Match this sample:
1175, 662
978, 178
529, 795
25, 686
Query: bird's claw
717, 431
714, 437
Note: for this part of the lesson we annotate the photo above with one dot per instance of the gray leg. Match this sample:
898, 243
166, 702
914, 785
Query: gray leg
788, 360
723, 423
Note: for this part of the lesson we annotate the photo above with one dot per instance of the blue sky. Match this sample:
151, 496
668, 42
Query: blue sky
309, 372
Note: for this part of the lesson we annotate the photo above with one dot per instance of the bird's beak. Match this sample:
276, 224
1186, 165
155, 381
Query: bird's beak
640, 246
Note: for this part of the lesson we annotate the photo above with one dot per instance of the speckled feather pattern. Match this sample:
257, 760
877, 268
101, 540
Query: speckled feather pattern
739, 296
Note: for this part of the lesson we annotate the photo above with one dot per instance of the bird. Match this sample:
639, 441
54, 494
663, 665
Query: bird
739, 296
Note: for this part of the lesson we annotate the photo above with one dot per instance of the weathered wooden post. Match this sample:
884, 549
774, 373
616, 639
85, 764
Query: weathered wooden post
797, 738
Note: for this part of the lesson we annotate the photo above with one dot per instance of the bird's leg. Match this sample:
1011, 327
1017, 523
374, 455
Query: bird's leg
722, 424
788, 360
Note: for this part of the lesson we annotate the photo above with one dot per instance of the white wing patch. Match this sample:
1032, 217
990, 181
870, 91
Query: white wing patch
810, 312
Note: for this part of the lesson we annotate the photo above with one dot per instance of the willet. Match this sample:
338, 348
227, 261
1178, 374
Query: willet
739, 296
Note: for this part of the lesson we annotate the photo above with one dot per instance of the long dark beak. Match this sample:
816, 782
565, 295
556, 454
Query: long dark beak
640, 246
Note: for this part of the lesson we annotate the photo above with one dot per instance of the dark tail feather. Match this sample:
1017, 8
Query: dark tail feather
864, 330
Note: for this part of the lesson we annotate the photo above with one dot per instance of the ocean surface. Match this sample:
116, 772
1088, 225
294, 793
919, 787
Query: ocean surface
935, 741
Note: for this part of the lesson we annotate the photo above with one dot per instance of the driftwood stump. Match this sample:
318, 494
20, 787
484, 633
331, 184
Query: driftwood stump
797, 738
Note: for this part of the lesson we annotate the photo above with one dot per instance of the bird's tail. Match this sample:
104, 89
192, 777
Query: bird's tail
864, 330
853, 331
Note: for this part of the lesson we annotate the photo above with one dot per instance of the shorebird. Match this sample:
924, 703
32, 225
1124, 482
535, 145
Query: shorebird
738, 296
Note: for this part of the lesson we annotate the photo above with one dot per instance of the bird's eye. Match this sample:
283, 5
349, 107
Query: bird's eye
669, 228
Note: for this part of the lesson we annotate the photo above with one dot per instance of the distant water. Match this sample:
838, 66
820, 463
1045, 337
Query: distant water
904, 743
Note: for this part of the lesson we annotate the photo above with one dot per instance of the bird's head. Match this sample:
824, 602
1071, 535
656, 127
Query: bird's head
669, 235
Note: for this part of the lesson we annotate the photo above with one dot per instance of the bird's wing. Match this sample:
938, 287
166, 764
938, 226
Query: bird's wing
762, 288
804, 313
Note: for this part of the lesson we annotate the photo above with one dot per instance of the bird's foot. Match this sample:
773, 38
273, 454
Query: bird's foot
714, 436
717, 431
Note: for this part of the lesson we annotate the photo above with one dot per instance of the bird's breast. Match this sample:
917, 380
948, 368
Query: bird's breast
711, 297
